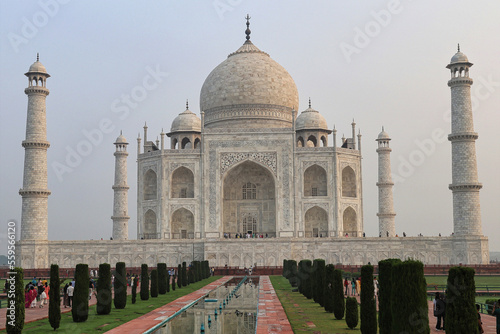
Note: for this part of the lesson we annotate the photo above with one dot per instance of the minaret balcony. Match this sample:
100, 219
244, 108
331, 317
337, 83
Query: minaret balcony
35, 144
463, 136
465, 187
36, 90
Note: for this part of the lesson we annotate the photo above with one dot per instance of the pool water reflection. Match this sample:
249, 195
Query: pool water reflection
231, 308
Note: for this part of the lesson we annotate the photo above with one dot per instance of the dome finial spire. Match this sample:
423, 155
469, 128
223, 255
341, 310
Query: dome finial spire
37, 57
187, 104
247, 32
309, 103
458, 47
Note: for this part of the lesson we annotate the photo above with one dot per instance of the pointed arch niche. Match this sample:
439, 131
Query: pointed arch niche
249, 191
316, 222
182, 224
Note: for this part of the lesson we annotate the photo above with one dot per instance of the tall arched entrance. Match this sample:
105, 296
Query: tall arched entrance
249, 200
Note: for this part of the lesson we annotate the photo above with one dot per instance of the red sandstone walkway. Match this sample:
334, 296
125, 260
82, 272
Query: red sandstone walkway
155, 317
271, 316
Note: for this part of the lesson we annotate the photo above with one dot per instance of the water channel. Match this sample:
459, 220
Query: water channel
230, 308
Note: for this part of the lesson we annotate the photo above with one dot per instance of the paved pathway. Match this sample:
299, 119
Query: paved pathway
155, 317
271, 316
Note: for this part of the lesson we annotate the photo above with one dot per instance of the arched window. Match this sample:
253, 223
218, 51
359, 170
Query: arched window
316, 222
182, 224
149, 231
315, 183
348, 182
197, 143
182, 183
249, 191
324, 141
186, 143
300, 142
350, 222
175, 144
312, 141
150, 187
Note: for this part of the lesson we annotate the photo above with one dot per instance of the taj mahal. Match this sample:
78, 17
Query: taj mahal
251, 181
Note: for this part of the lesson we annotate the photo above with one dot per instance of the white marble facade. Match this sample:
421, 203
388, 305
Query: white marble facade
252, 165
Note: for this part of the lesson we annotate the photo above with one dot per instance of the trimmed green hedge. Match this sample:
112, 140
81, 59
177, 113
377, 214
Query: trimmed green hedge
384, 295
162, 278
154, 283
134, 290
409, 309
368, 305
104, 289
15, 299
80, 305
54, 297
351, 312
144, 282
120, 286
461, 313
319, 281
338, 295
330, 268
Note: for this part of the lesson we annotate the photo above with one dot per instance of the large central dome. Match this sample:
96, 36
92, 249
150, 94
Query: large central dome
249, 89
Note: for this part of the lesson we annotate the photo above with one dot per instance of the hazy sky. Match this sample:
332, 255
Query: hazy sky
379, 62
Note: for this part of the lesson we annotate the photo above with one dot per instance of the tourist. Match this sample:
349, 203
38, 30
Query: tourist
479, 322
65, 296
47, 289
375, 287
439, 307
353, 287
70, 290
43, 297
358, 286
346, 286
33, 296
496, 313
404, 234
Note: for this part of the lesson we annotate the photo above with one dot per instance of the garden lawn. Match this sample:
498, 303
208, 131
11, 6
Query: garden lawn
304, 314
480, 280
101, 323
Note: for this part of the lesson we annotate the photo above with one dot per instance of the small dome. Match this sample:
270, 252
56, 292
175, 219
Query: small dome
459, 57
383, 135
310, 119
121, 139
186, 121
37, 67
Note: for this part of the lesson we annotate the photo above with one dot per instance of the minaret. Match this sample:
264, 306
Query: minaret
465, 185
120, 204
34, 217
386, 214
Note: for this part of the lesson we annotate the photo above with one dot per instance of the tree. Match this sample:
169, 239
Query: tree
80, 306
173, 282
120, 286
179, 276
384, 295
15, 302
168, 282
329, 288
154, 283
461, 314
319, 281
134, 290
162, 278
191, 274
284, 272
368, 303
184, 274
409, 310
292, 275
351, 312
54, 297
338, 295
104, 289
306, 278
144, 282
